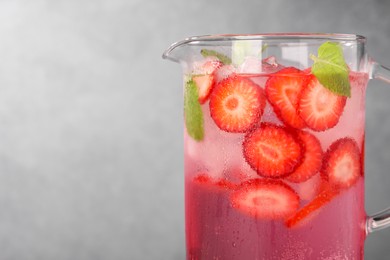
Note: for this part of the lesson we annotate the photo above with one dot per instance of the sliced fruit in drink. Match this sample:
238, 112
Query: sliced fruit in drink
204, 179
236, 104
206, 79
331, 69
239, 174
312, 158
282, 90
272, 151
217, 153
320, 108
342, 163
325, 195
265, 199
204, 84
341, 169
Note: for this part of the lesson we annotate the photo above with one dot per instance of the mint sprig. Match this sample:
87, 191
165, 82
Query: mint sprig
221, 57
193, 115
331, 70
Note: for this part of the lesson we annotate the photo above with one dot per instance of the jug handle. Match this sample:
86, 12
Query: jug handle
381, 219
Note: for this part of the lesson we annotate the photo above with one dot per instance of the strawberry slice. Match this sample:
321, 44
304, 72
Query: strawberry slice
342, 163
272, 151
282, 90
206, 80
202, 178
319, 107
341, 169
312, 158
236, 104
205, 180
325, 195
204, 83
265, 199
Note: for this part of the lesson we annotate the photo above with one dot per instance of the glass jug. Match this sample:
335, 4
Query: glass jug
274, 145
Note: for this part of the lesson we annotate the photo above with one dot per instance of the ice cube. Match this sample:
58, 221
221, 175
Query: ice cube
255, 65
223, 72
219, 151
351, 122
251, 65
309, 189
201, 67
270, 65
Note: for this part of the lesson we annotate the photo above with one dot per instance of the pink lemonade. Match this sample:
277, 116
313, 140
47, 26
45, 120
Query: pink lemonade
277, 172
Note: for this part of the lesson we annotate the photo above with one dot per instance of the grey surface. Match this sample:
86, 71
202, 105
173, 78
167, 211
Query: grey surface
90, 118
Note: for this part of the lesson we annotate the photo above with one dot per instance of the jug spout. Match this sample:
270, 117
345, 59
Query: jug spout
181, 51
196, 48
226, 48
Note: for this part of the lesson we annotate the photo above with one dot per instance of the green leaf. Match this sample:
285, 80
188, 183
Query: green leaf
211, 53
263, 48
193, 112
331, 70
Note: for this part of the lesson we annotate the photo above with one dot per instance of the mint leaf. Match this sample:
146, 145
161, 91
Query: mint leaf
193, 112
331, 70
263, 48
221, 57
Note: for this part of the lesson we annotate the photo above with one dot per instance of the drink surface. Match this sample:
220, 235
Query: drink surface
273, 164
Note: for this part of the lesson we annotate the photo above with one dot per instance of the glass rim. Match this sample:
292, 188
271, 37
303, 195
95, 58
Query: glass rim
198, 40
279, 36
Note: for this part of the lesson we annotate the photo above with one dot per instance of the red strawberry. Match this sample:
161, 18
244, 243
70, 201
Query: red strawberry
341, 169
312, 158
272, 151
206, 180
342, 163
319, 107
325, 195
202, 178
236, 104
206, 80
204, 83
265, 199
225, 184
282, 90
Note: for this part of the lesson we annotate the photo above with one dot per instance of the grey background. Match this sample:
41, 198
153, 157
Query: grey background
90, 118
